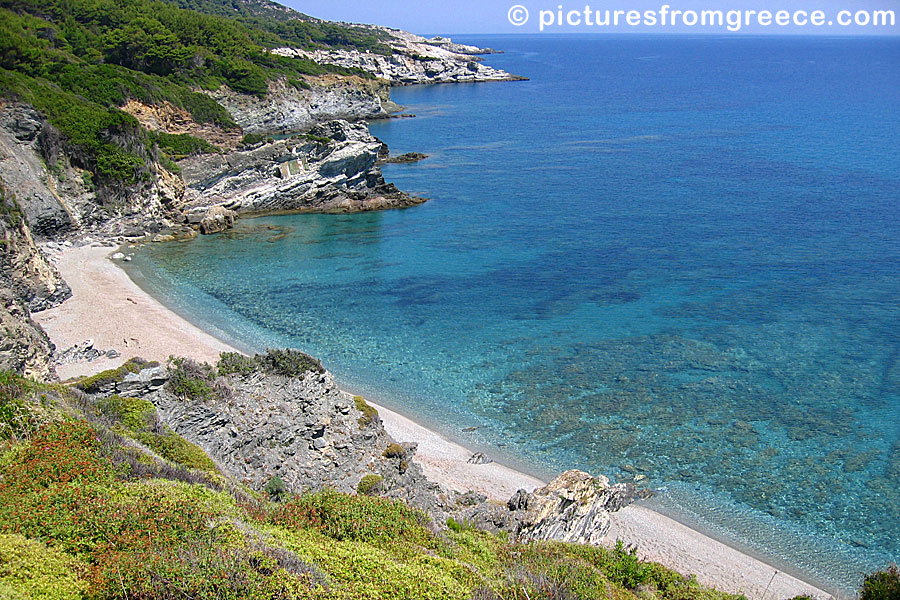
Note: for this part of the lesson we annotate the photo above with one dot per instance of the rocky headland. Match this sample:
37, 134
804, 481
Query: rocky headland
332, 168
415, 60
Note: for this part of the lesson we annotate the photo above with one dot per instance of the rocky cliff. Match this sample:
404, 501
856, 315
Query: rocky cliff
28, 282
288, 108
258, 425
59, 198
330, 168
414, 60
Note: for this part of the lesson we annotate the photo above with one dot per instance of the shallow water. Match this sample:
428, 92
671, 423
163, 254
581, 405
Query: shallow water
669, 257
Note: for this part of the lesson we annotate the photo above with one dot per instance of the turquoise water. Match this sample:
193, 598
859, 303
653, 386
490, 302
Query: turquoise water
676, 257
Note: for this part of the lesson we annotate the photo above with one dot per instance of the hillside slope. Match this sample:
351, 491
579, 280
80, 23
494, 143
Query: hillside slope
101, 499
100, 101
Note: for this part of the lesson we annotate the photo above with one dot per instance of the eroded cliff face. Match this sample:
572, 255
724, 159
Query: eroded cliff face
28, 282
169, 118
331, 168
312, 435
58, 198
288, 109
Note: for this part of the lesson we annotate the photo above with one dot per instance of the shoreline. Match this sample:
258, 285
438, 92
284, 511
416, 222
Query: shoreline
108, 307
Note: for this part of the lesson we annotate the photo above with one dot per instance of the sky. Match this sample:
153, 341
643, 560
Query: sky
493, 16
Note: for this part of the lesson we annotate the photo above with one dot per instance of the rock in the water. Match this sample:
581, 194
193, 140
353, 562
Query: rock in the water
217, 220
409, 157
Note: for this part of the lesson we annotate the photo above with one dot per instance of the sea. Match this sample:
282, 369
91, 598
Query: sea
666, 259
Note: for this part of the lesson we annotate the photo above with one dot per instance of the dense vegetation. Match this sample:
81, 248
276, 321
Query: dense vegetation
301, 30
99, 500
79, 61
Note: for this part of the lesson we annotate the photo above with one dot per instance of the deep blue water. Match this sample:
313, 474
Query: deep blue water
676, 257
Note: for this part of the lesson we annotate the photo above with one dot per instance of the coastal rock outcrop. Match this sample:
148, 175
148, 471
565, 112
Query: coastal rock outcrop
574, 507
302, 429
287, 108
216, 220
414, 60
57, 197
310, 434
330, 168
28, 282
409, 157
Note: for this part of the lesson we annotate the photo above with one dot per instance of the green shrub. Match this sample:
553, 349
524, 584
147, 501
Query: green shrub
394, 451
300, 84
276, 489
88, 180
139, 420
24, 406
881, 585
216, 568
251, 139
10, 211
182, 144
31, 571
319, 139
169, 165
369, 483
454, 525
191, 380
243, 76
625, 568
178, 450
369, 414
133, 413
93, 384
234, 363
359, 518
288, 363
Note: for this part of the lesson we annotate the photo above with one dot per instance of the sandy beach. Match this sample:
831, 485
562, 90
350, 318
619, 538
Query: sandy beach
110, 309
